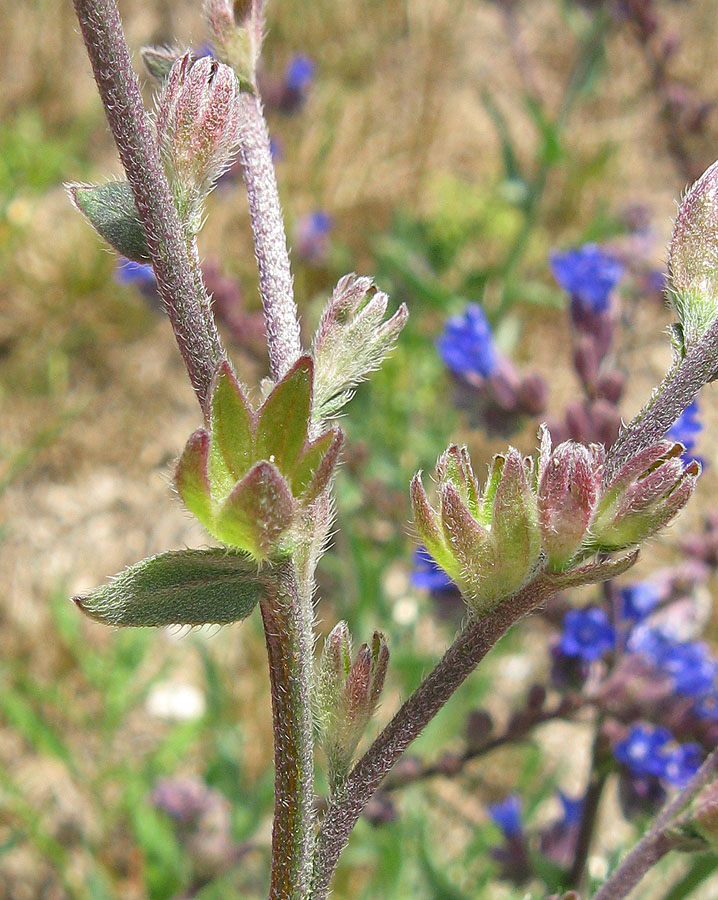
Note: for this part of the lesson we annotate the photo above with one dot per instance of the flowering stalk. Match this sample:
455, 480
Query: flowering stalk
183, 295
270, 242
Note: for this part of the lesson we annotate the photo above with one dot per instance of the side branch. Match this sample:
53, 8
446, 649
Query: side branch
459, 661
186, 302
270, 241
678, 391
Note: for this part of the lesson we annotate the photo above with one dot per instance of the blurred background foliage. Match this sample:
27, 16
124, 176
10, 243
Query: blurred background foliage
452, 143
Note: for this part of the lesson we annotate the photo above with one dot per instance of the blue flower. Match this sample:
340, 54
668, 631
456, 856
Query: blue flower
427, 574
311, 236
299, 74
206, 49
140, 274
685, 429
572, 809
587, 633
588, 274
507, 815
644, 752
682, 764
688, 663
467, 345
638, 600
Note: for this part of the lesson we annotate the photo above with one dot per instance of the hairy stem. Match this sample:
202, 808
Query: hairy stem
288, 634
270, 241
184, 298
647, 852
678, 390
459, 661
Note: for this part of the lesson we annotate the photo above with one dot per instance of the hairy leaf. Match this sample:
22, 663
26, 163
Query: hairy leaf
180, 587
110, 209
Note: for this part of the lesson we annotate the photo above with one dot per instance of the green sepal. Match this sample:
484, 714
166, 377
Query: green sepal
110, 209
191, 478
159, 60
284, 417
317, 465
180, 587
257, 511
233, 424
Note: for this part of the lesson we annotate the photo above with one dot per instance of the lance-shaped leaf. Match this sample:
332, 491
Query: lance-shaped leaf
256, 513
159, 60
184, 587
110, 209
284, 417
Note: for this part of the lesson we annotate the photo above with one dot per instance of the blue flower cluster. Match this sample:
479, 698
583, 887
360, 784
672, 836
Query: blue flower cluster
649, 752
685, 429
467, 344
587, 634
588, 274
427, 574
507, 816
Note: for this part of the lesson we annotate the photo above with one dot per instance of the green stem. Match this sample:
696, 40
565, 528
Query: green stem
287, 622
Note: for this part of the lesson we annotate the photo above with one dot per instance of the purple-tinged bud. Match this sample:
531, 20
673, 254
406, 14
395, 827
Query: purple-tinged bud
346, 696
567, 497
646, 494
532, 394
693, 259
198, 128
610, 386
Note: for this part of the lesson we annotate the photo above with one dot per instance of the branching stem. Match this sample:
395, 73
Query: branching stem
459, 661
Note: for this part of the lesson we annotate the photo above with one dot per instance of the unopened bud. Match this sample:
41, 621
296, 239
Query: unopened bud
236, 29
693, 259
567, 496
346, 696
198, 127
645, 495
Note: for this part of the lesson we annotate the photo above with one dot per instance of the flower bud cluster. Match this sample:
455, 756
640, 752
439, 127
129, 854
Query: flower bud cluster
198, 129
489, 543
553, 513
348, 691
249, 474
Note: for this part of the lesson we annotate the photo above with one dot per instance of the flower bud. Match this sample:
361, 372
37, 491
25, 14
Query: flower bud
487, 543
645, 495
198, 128
236, 28
693, 259
250, 474
567, 495
346, 696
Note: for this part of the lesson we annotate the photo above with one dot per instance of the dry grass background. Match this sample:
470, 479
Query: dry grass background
92, 381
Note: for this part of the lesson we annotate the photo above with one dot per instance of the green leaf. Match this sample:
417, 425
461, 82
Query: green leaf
183, 587
284, 417
110, 209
